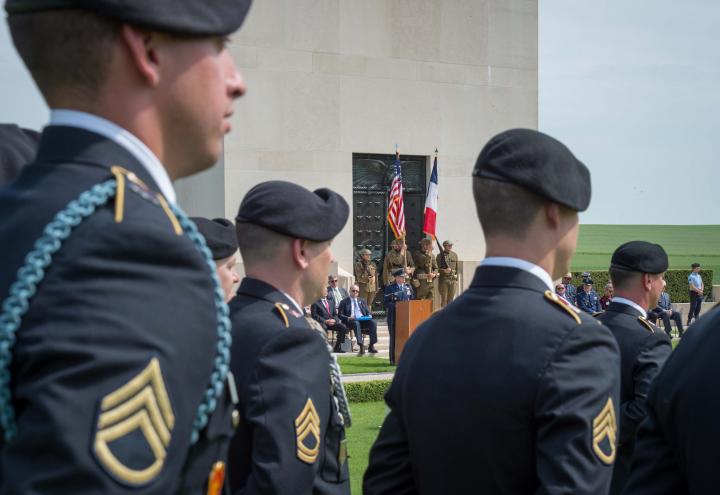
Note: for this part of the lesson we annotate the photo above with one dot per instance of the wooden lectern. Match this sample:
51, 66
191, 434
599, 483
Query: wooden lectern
408, 315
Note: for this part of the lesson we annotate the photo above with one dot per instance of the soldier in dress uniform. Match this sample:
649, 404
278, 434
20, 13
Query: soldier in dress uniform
397, 257
485, 399
447, 262
293, 410
636, 271
426, 269
397, 291
114, 340
676, 447
219, 234
366, 277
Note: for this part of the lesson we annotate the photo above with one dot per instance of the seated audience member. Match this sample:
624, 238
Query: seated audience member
587, 299
665, 311
324, 312
561, 291
221, 239
351, 309
606, 299
337, 294
570, 290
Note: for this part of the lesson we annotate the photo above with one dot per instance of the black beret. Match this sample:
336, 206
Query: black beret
400, 272
219, 234
191, 17
17, 147
640, 256
538, 163
294, 211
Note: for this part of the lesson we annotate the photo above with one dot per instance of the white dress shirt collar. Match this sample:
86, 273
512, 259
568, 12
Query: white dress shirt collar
523, 265
294, 302
122, 137
632, 304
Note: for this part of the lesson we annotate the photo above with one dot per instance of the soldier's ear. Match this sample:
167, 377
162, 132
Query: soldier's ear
299, 251
142, 51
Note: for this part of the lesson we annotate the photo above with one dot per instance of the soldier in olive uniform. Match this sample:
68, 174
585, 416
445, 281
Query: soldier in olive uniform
426, 269
447, 284
396, 258
366, 277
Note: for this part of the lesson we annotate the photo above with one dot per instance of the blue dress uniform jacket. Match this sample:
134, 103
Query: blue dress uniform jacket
676, 451
394, 293
116, 350
588, 301
290, 438
485, 400
643, 350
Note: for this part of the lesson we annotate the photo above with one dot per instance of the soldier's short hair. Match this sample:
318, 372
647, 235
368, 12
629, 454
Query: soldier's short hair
504, 208
65, 49
257, 243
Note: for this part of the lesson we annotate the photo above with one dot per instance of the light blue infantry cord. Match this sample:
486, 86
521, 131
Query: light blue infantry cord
32, 272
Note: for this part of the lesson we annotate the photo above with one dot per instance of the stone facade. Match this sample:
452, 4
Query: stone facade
329, 78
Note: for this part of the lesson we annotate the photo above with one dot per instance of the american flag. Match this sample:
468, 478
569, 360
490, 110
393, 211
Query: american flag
396, 210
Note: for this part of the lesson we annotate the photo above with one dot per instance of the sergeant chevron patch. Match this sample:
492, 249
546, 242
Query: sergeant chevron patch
307, 433
139, 417
605, 433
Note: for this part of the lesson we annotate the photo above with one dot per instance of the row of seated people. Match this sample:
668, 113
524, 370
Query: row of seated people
337, 311
588, 301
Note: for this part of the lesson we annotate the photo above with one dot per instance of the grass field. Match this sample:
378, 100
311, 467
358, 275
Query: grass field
684, 244
367, 417
365, 364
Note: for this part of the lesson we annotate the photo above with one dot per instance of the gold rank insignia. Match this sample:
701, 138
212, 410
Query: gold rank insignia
605, 433
139, 409
307, 433
646, 323
565, 306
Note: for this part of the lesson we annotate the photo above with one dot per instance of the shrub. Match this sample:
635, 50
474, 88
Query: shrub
367, 391
677, 284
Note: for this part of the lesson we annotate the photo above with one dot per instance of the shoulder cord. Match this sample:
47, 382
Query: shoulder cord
32, 272
336, 384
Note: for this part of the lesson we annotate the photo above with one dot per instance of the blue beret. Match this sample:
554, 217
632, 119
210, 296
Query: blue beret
219, 235
640, 256
538, 163
294, 211
190, 17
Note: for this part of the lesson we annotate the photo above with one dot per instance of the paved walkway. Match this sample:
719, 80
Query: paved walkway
367, 377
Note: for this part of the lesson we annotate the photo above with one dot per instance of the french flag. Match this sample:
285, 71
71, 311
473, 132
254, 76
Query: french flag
431, 203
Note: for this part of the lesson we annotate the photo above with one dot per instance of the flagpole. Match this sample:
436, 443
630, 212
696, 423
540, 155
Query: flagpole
403, 237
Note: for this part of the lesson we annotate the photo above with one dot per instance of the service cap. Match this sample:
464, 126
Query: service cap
399, 273
447, 243
365, 251
640, 256
695, 265
294, 211
538, 163
219, 234
189, 17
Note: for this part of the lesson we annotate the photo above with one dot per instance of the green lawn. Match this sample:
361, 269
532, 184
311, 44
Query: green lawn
367, 418
365, 364
684, 244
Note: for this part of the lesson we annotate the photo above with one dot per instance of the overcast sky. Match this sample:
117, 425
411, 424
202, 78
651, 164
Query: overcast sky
631, 86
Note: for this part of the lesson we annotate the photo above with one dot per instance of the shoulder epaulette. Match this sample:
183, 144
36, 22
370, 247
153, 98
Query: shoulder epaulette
126, 178
281, 308
646, 323
552, 297
596, 314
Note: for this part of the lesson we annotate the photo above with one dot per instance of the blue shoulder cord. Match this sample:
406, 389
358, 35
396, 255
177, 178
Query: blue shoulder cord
32, 272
